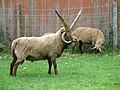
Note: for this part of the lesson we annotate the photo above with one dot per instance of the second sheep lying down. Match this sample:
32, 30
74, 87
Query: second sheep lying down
87, 35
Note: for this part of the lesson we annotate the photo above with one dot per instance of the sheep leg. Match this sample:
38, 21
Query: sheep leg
81, 47
13, 62
50, 65
18, 62
55, 67
11, 67
53, 59
73, 47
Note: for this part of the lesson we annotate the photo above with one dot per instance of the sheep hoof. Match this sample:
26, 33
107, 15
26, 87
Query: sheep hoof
12, 75
56, 73
49, 72
31, 60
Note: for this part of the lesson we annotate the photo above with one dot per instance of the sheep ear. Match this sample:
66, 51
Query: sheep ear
62, 29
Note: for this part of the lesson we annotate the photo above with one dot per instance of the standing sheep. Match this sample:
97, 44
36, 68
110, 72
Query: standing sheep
87, 35
49, 46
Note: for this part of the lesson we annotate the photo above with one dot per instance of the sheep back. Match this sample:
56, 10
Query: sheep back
38, 47
88, 35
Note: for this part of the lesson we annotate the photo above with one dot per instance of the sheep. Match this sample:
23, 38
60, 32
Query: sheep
47, 47
87, 35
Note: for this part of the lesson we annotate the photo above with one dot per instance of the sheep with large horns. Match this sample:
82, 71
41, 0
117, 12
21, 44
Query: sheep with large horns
87, 35
49, 46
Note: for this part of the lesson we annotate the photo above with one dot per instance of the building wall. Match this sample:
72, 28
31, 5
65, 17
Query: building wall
38, 17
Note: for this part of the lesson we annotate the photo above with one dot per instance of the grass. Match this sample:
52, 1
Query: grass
76, 72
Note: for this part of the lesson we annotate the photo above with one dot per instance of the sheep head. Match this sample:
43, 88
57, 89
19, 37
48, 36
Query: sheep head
98, 45
66, 30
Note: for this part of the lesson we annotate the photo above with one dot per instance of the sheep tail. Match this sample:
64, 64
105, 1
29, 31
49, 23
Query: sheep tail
13, 46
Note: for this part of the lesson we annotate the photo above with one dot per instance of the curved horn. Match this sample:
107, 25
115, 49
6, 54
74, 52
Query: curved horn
63, 34
76, 19
93, 48
63, 21
100, 49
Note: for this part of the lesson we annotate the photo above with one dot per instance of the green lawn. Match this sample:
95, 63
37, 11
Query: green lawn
76, 72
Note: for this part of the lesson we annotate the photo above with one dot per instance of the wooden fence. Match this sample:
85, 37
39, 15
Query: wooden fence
35, 17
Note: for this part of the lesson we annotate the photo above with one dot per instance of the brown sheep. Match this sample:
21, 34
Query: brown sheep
87, 35
49, 46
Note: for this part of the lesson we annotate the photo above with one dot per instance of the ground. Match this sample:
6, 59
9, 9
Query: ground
76, 72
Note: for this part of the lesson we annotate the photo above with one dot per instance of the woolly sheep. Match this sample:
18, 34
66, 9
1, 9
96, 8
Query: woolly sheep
49, 46
87, 35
